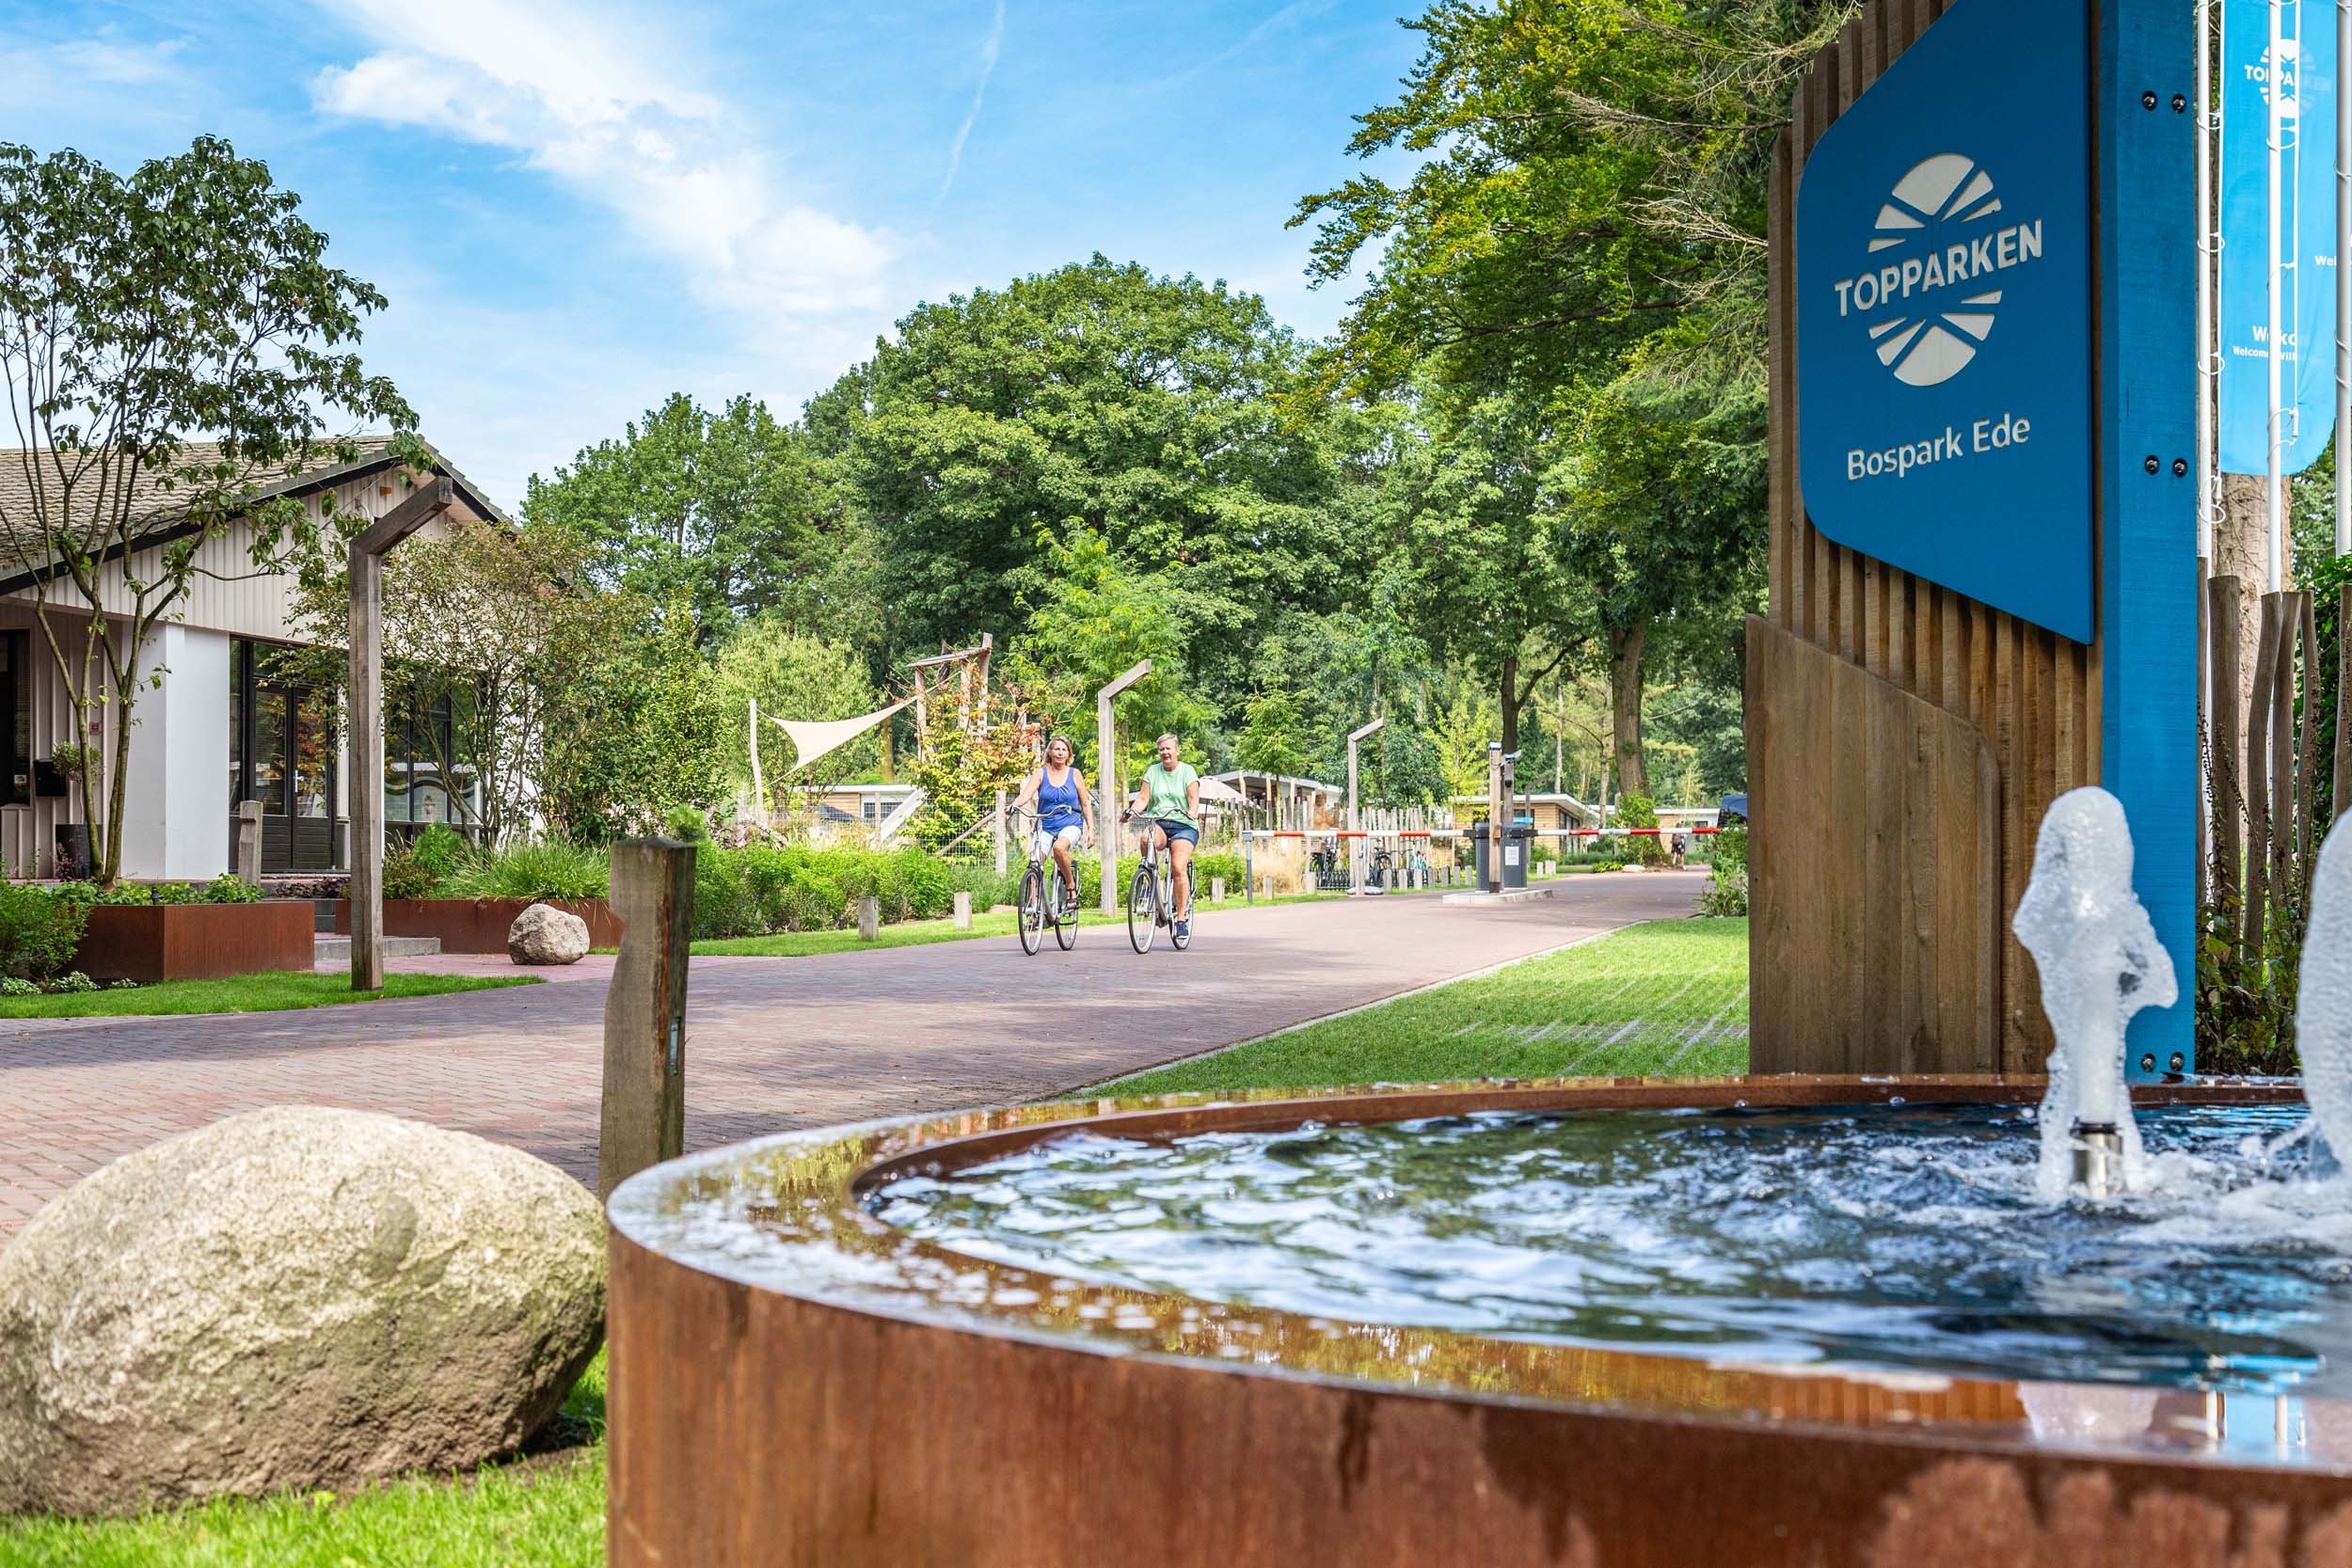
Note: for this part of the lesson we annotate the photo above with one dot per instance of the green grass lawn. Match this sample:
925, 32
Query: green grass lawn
547, 1513
1667, 997
917, 933
276, 991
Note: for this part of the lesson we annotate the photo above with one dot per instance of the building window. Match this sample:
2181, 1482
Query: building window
416, 792
16, 713
283, 753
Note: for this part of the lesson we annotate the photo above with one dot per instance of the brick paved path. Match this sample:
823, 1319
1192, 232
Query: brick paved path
773, 1043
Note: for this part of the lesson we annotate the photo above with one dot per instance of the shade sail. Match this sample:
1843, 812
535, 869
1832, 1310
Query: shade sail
813, 737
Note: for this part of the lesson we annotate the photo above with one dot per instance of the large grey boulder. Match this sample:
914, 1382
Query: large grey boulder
293, 1298
543, 934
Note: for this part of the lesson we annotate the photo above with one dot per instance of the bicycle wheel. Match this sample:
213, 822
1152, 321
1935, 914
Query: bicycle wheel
1180, 935
1066, 928
1032, 915
1143, 909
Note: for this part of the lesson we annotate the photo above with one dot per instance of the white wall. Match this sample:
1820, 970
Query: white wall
175, 815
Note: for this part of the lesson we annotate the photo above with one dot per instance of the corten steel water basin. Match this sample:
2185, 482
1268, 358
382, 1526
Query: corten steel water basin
819, 1391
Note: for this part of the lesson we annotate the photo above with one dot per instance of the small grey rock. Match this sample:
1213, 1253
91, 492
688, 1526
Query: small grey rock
543, 934
300, 1297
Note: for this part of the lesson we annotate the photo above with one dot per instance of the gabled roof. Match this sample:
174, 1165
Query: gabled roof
158, 508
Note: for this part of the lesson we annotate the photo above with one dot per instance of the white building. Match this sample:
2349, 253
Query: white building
214, 724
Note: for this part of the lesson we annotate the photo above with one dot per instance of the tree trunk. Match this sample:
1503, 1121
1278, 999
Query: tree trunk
2241, 546
118, 790
1625, 706
1511, 704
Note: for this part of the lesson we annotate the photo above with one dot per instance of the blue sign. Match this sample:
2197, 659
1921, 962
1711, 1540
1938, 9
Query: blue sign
2306, 242
1944, 313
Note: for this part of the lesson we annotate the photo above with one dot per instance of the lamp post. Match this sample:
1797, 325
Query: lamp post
1355, 824
1107, 768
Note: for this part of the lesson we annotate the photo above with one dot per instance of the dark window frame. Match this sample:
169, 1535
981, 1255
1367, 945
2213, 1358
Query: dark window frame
251, 689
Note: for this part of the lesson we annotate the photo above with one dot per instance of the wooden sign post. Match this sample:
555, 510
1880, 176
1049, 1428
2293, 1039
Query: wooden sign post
249, 842
643, 1118
426, 502
1983, 543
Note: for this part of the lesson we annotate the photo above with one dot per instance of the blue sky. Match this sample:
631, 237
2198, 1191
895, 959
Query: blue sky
578, 208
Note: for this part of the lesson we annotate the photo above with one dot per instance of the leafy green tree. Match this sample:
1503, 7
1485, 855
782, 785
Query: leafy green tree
960, 771
136, 313
1586, 172
1640, 811
1271, 740
1494, 581
724, 511
1095, 619
792, 676
494, 627
1401, 767
651, 731
1573, 272
1464, 726
1155, 414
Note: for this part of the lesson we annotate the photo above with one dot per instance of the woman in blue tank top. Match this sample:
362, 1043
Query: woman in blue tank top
1064, 810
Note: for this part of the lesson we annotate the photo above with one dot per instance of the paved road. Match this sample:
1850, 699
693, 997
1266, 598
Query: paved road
773, 1043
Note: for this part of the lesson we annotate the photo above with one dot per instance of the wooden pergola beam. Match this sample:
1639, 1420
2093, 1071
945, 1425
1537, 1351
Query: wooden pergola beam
426, 502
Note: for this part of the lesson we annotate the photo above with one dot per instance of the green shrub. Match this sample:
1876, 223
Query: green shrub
722, 902
13, 986
924, 884
73, 980
1640, 811
1206, 869
548, 868
1728, 880
988, 889
439, 849
38, 931
405, 876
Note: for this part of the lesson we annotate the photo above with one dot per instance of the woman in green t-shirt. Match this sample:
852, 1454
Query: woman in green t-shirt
1170, 792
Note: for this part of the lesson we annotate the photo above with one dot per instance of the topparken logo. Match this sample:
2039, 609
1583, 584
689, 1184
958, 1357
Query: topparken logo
1935, 242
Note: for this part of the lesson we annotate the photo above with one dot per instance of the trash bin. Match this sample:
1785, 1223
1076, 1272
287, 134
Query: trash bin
1515, 845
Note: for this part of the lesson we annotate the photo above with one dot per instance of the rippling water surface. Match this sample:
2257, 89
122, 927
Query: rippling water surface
1891, 1236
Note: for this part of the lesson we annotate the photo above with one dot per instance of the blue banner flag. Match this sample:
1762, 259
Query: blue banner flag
2307, 235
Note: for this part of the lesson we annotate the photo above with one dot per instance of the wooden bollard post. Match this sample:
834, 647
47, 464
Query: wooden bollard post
869, 918
644, 1120
249, 842
964, 910
1216, 890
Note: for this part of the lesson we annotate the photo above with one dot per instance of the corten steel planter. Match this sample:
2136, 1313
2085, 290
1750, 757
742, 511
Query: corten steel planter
480, 924
836, 1394
148, 943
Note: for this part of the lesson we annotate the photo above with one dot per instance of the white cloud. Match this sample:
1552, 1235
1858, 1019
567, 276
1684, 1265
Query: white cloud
569, 96
102, 59
979, 94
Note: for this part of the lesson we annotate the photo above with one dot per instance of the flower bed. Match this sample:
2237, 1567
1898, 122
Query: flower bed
480, 924
148, 943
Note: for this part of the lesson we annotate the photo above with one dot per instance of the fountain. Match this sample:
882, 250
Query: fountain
1812, 1320
2099, 963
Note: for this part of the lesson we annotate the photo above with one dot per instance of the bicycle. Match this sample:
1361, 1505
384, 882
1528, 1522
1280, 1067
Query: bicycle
1151, 895
1036, 911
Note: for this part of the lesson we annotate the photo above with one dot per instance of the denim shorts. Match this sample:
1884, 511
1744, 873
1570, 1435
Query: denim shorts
1177, 832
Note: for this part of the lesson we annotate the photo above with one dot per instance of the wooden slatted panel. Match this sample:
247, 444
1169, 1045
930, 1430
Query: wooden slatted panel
2032, 696
1876, 871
